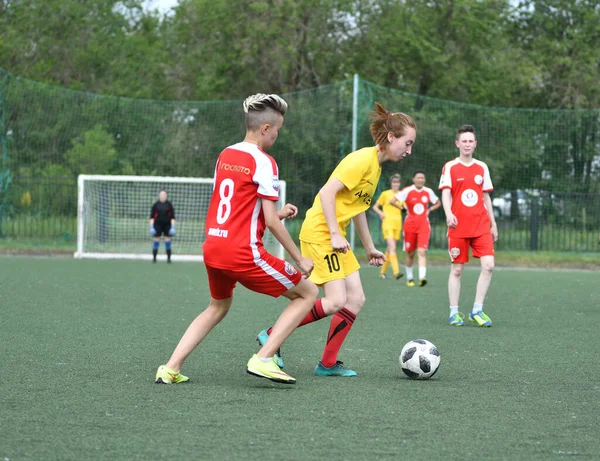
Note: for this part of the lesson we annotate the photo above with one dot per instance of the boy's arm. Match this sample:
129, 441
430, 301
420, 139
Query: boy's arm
451, 220
487, 200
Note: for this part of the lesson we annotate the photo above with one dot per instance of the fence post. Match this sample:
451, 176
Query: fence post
534, 223
5, 173
354, 141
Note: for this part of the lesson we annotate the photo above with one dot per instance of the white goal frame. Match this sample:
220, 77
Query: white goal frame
81, 210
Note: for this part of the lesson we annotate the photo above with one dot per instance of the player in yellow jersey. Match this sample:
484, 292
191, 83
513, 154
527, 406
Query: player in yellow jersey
391, 225
347, 195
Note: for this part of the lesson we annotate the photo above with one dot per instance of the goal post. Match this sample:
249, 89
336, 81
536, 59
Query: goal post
113, 216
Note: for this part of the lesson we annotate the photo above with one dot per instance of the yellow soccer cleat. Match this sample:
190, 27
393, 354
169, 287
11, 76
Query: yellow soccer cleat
410, 283
422, 282
268, 370
166, 375
481, 319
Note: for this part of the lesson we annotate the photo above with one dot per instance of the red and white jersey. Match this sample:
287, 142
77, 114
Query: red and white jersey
417, 202
467, 183
235, 223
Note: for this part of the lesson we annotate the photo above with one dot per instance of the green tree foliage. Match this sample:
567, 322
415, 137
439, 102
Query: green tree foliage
94, 154
535, 53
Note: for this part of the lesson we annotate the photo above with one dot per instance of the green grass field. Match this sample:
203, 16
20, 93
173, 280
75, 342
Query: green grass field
81, 340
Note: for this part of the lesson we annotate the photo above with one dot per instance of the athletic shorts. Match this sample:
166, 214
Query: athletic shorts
162, 228
458, 247
329, 265
417, 240
389, 232
271, 276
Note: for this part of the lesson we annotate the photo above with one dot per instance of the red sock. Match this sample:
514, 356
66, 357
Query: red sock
339, 328
316, 313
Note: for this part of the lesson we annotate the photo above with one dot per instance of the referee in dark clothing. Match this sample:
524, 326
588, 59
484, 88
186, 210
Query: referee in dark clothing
162, 222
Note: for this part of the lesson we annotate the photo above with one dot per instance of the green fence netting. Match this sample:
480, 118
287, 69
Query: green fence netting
545, 164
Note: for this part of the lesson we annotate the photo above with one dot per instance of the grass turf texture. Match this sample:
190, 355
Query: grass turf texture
81, 341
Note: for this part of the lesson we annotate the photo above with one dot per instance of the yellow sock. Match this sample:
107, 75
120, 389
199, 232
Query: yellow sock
394, 262
386, 264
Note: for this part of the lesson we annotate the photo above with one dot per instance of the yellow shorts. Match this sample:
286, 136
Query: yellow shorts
329, 265
389, 232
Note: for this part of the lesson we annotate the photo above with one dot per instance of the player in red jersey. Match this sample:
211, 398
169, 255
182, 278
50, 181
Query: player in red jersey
466, 185
416, 200
243, 204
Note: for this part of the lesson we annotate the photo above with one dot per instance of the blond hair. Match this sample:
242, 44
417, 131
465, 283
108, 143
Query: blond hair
263, 108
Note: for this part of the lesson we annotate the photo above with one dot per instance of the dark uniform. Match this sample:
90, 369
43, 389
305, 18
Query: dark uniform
162, 213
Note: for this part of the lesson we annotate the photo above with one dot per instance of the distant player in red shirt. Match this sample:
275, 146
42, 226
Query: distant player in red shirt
417, 230
466, 187
243, 204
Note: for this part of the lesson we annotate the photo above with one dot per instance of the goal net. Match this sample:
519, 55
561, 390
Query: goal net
113, 215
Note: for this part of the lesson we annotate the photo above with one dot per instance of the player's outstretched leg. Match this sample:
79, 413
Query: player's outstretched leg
303, 297
195, 333
316, 313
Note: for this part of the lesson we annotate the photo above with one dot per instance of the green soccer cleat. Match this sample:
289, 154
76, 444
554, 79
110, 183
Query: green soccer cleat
166, 375
268, 370
262, 339
481, 319
410, 283
422, 282
457, 320
337, 370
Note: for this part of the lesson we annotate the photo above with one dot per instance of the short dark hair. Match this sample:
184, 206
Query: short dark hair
395, 176
465, 129
418, 172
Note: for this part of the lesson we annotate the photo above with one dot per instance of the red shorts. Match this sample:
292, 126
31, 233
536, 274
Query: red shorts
417, 238
270, 276
458, 247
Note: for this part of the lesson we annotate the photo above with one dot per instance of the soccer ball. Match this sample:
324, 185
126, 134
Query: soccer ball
419, 359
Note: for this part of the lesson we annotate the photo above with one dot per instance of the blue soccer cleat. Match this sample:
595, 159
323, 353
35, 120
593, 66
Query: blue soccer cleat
337, 370
262, 339
457, 320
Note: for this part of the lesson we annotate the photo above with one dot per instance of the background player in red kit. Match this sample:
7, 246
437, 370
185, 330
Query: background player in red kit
465, 184
243, 204
417, 230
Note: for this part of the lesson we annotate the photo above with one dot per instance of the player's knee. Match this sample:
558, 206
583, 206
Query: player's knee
220, 306
356, 302
337, 303
487, 266
456, 270
310, 290
422, 253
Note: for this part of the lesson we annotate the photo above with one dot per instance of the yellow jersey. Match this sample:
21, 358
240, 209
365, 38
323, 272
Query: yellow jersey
359, 171
393, 216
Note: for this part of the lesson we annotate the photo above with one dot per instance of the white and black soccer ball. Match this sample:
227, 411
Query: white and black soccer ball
419, 359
